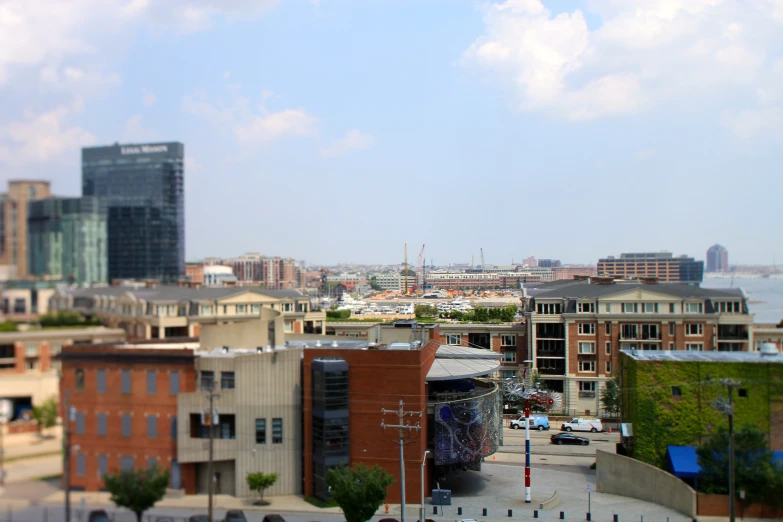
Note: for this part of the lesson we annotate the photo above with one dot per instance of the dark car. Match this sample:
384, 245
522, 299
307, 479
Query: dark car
273, 518
198, 518
164, 519
234, 515
98, 515
567, 438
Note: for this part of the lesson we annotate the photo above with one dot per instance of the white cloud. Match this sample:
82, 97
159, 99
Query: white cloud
136, 131
353, 141
42, 137
149, 98
751, 123
643, 53
267, 127
247, 125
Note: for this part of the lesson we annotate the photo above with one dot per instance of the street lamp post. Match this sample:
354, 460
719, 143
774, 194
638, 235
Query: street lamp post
422, 515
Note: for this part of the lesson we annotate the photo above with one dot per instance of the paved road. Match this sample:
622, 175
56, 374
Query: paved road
540, 444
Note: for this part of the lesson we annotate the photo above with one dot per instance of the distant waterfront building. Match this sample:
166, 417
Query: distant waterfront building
13, 223
549, 263
717, 259
67, 240
661, 265
275, 273
142, 190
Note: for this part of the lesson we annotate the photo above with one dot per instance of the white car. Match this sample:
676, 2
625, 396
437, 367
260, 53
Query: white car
579, 424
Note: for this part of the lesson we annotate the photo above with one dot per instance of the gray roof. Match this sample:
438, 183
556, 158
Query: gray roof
583, 289
177, 293
690, 356
458, 362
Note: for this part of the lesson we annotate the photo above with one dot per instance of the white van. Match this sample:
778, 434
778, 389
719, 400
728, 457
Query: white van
580, 424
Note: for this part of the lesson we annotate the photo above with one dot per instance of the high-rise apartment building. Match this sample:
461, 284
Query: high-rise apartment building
717, 259
13, 221
661, 265
67, 239
142, 191
275, 273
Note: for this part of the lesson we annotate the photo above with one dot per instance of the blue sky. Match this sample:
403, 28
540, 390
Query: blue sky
337, 130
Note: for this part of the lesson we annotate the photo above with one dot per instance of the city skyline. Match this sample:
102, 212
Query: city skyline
459, 135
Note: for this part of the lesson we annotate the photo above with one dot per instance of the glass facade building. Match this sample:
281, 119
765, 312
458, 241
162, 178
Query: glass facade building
330, 419
141, 188
67, 239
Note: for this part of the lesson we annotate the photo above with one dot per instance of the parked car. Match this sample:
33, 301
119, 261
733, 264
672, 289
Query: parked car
580, 424
98, 515
234, 515
273, 518
537, 422
164, 519
567, 438
198, 518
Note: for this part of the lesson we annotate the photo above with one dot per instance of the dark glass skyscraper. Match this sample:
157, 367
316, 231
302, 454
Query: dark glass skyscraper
141, 188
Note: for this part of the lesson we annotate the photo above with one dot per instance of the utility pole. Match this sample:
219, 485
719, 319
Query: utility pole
403, 428
67, 453
727, 408
211, 415
3, 421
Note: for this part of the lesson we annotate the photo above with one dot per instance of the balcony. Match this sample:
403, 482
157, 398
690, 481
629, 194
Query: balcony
730, 332
550, 369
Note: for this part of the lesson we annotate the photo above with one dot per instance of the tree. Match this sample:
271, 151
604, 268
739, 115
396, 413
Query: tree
258, 482
374, 284
360, 491
610, 396
46, 413
137, 489
756, 472
425, 311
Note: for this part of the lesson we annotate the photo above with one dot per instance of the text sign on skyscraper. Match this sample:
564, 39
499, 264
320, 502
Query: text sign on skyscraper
141, 189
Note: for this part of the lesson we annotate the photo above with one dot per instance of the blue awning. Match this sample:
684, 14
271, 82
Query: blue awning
683, 461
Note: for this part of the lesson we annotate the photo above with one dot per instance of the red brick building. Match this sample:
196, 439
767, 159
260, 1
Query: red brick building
345, 390
124, 410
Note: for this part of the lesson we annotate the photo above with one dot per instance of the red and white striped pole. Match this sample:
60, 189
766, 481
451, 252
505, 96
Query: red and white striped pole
527, 451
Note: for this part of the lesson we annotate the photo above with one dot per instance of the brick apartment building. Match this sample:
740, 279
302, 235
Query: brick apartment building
661, 265
576, 328
125, 401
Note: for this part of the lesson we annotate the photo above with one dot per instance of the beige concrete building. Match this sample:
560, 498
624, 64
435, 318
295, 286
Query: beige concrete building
28, 368
13, 221
164, 312
259, 427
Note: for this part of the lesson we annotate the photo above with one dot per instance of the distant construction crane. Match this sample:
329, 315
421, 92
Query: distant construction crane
482, 260
421, 265
405, 269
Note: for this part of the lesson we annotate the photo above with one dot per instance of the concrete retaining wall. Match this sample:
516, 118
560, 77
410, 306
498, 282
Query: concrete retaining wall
618, 475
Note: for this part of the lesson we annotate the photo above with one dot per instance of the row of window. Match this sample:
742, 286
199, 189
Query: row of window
654, 308
125, 425
506, 341
126, 382
204, 310
207, 381
126, 463
641, 331
277, 431
589, 366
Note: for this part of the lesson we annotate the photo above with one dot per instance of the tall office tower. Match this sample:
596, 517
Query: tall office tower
664, 266
13, 222
717, 259
66, 239
141, 188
